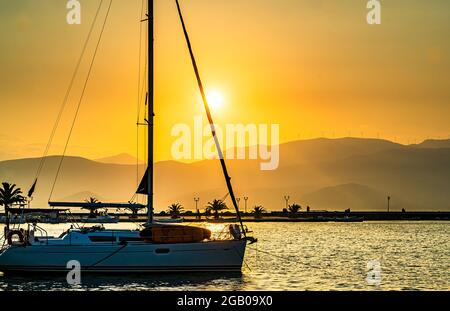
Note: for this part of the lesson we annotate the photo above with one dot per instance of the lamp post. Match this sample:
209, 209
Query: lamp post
388, 202
286, 198
245, 198
196, 207
238, 200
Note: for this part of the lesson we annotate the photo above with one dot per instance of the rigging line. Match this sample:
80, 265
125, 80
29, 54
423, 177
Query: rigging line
273, 255
225, 197
110, 255
242, 258
141, 90
133, 197
143, 96
146, 132
139, 94
211, 123
137, 155
139, 63
81, 99
143, 85
66, 96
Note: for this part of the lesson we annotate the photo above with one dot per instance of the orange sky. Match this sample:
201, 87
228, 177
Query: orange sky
315, 67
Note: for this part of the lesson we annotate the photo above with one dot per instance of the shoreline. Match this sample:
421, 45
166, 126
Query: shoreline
329, 217
312, 216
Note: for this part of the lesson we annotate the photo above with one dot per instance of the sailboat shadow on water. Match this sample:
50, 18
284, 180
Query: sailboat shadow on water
132, 281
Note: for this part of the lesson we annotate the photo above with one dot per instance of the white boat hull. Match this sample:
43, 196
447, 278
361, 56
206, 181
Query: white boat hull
131, 257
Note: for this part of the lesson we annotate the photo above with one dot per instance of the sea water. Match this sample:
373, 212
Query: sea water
410, 255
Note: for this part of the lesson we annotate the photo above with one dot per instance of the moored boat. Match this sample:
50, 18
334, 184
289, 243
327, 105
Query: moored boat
169, 220
154, 248
100, 219
349, 219
102, 250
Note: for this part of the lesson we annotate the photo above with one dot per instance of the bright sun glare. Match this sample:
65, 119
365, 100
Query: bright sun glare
215, 99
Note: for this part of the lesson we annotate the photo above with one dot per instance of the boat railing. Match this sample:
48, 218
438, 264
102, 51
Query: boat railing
224, 234
42, 232
2, 240
71, 218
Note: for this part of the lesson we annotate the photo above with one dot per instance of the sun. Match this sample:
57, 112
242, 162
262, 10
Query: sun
215, 99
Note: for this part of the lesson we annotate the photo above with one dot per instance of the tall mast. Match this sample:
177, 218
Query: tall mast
151, 114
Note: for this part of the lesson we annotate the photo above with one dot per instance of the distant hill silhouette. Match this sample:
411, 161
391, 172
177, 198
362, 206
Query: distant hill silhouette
325, 149
123, 158
435, 143
331, 174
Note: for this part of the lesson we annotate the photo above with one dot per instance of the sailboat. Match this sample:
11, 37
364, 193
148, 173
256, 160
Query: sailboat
157, 247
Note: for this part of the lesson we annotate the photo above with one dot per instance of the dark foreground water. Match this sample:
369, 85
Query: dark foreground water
301, 256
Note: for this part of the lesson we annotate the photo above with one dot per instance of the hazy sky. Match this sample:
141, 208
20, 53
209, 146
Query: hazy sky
315, 67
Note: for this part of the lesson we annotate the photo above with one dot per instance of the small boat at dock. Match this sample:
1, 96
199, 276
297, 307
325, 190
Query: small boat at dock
349, 219
169, 220
100, 219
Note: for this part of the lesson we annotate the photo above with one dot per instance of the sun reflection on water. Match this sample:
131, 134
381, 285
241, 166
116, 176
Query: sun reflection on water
300, 256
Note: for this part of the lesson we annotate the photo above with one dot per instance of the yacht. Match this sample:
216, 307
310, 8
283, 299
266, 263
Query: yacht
349, 219
183, 249
155, 247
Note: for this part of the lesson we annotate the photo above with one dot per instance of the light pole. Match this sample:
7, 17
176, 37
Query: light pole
388, 202
245, 198
238, 199
286, 198
196, 207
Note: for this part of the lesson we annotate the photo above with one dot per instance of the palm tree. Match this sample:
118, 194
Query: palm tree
10, 194
294, 209
92, 208
258, 211
207, 212
175, 210
134, 208
216, 206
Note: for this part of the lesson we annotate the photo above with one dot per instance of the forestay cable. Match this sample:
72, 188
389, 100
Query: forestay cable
81, 99
66, 97
211, 122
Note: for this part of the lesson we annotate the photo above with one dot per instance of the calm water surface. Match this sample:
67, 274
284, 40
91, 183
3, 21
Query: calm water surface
299, 256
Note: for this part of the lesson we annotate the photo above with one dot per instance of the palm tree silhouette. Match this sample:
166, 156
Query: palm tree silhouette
258, 211
175, 210
92, 208
294, 209
134, 209
10, 194
216, 206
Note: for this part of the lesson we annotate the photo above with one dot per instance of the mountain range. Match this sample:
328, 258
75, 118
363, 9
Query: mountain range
325, 174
